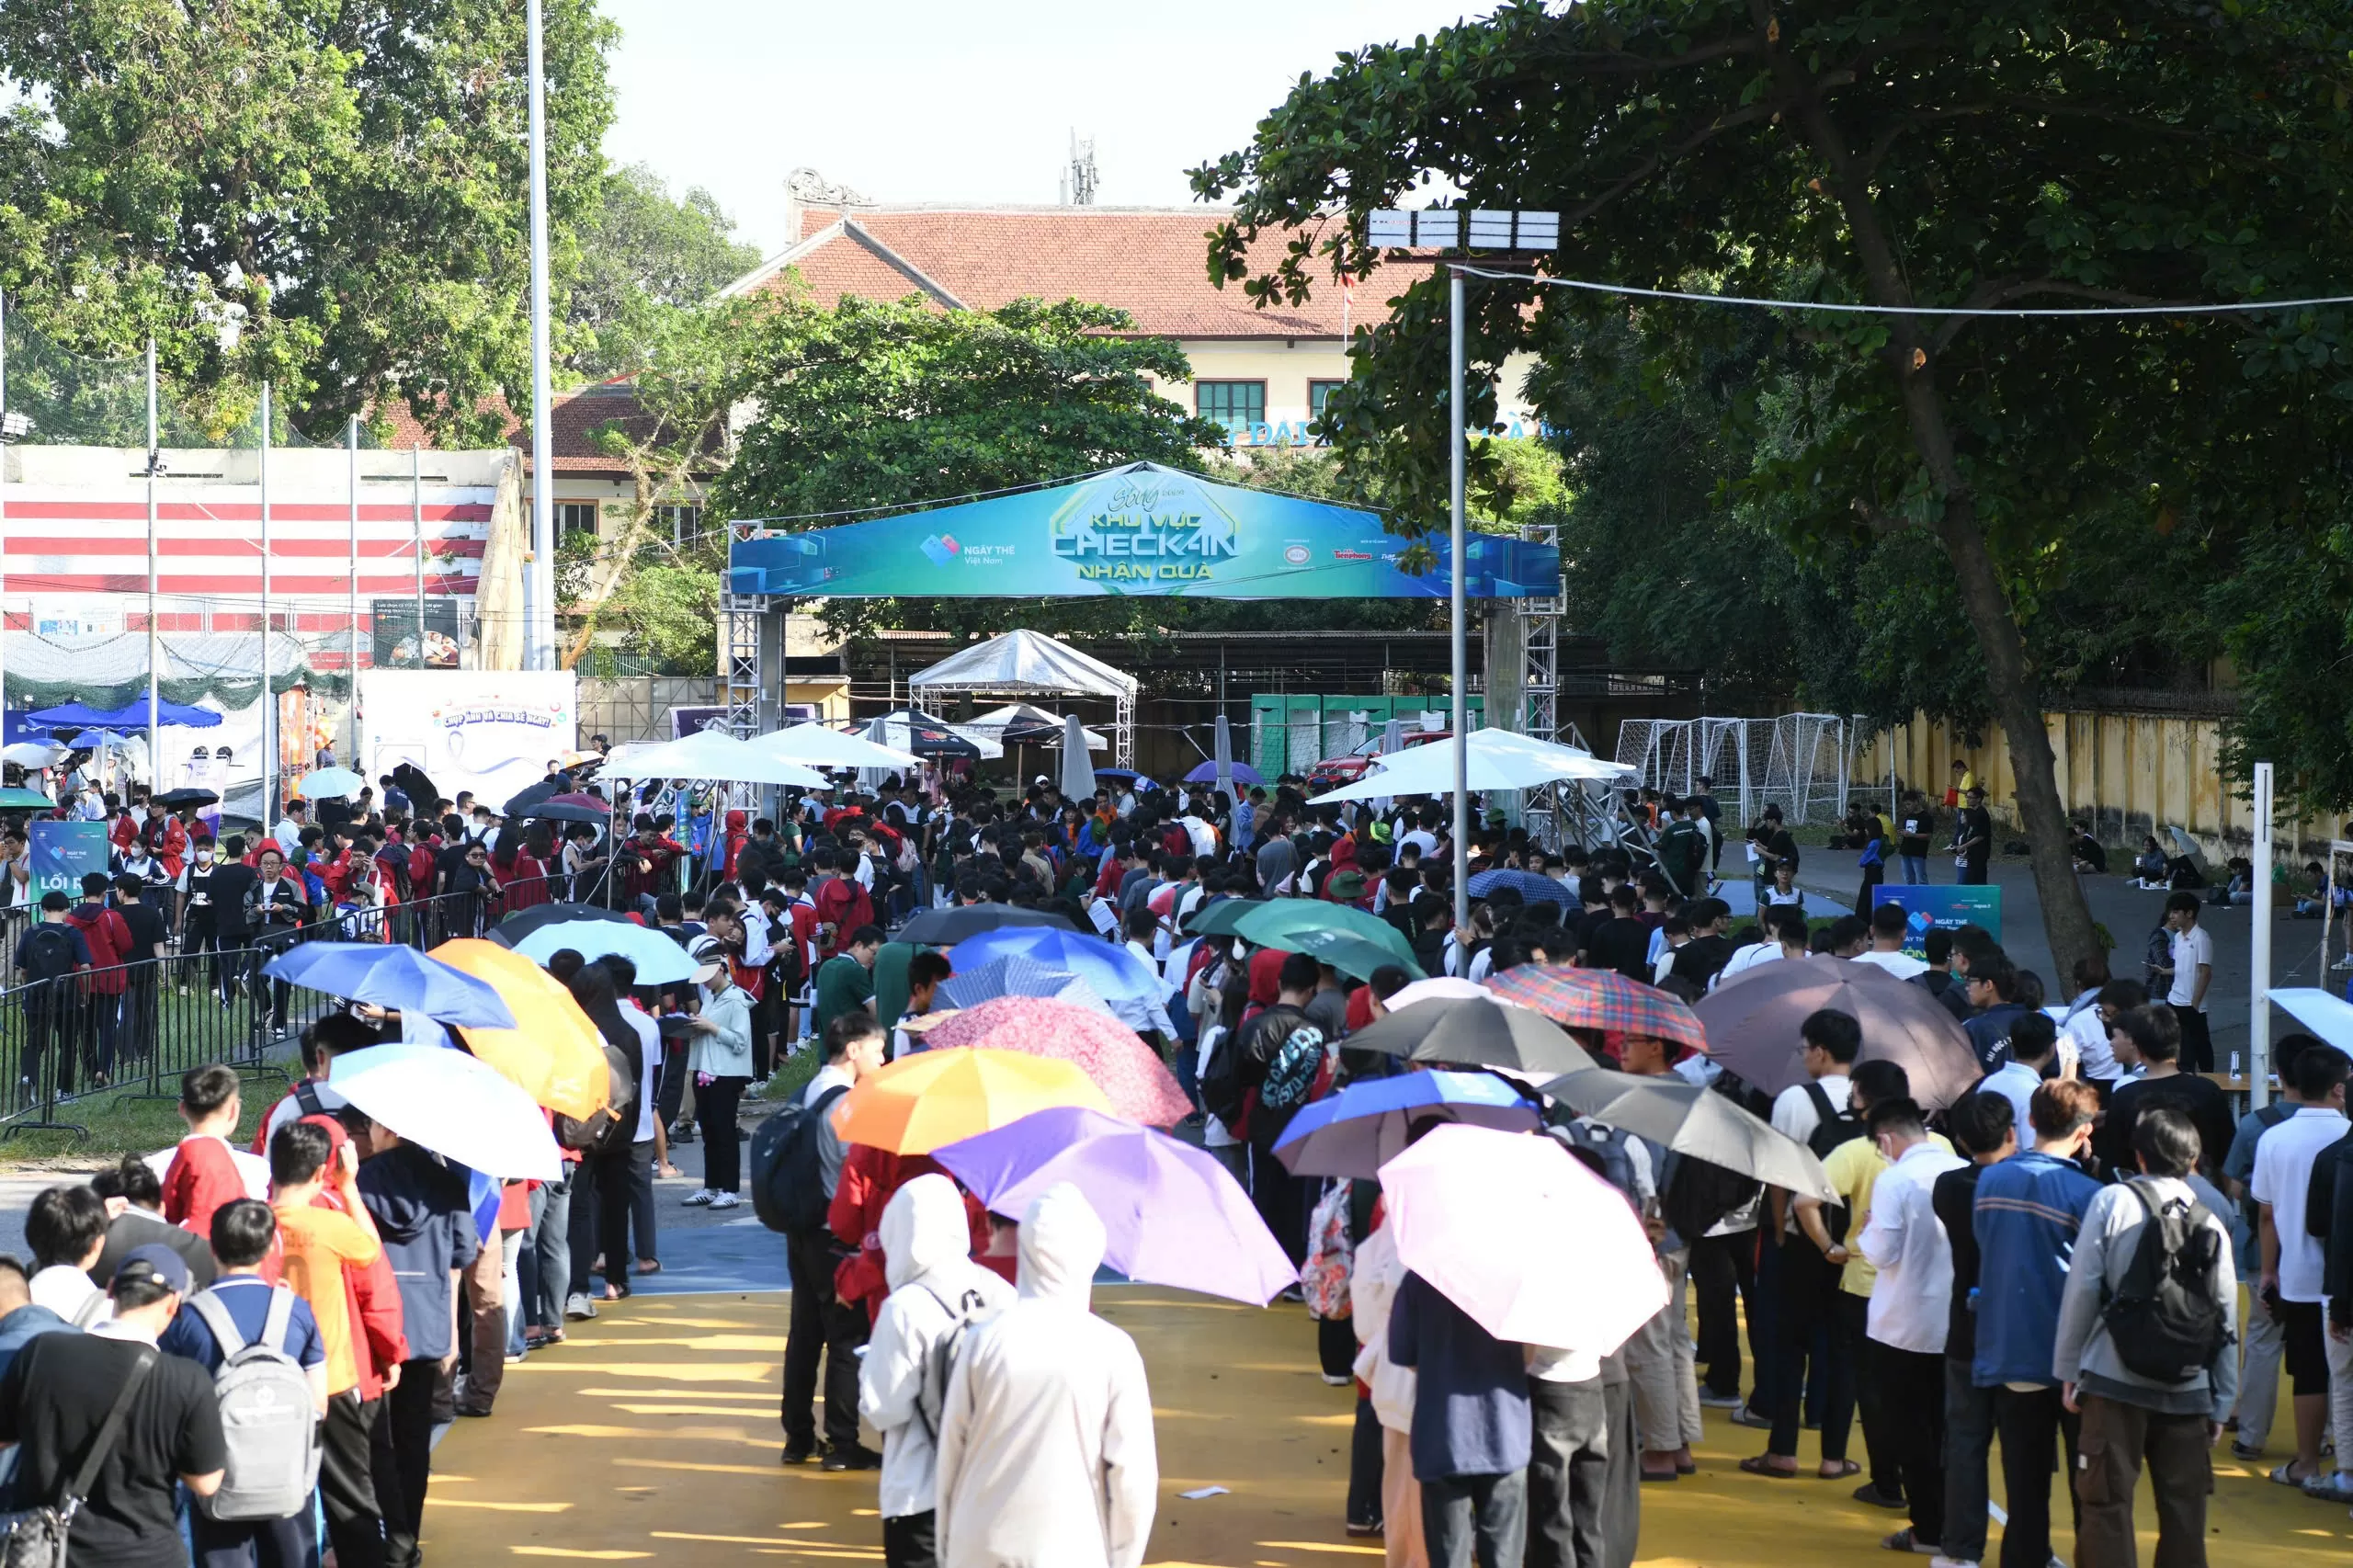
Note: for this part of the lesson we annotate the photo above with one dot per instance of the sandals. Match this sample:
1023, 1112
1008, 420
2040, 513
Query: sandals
1846, 1467
2284, 1475
648, 1265
1905, 1540
617, 1292
1761, 1465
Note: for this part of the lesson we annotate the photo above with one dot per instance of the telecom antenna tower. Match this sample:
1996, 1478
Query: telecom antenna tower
1080, 179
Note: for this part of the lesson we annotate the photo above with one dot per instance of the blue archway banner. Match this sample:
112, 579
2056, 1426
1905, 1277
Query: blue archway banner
1138, 530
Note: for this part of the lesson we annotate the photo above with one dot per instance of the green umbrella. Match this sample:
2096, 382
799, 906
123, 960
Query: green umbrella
1272, 924
1218, 919
24, 800
1345, 951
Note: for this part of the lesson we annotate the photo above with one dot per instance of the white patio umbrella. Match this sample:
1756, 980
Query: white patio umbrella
454, 1104
816, 745
1499, 760
711, 753
33, 753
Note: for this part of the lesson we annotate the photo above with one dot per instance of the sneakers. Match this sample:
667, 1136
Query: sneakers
724, 1201
579, 1307
700, 1197
682, 1131
2337, 1486
851, 1456
1720, 1401
2246, 1451
1337, 1379
797, 1454
1364, 1527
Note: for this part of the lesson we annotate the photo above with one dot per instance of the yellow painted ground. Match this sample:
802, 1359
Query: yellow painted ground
653, 1435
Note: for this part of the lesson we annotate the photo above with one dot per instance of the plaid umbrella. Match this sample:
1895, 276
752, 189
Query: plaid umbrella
1601, 999
1139, 1087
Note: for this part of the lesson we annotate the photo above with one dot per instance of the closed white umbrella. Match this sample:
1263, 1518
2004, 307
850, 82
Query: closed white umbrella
1078, 767
454, 1104
1224, 756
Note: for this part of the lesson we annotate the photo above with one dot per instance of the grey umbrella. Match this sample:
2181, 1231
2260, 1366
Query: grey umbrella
1476, 1032
1691, 1121
1753, 1019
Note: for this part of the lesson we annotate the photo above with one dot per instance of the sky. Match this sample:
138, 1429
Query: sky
921, 100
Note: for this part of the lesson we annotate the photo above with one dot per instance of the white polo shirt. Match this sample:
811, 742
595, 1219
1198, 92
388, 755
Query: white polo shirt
2284, 1170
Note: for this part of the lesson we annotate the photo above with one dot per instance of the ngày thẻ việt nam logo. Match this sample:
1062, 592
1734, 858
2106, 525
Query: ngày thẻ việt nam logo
941, 548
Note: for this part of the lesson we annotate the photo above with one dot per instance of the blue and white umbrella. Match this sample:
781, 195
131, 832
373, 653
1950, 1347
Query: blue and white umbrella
1362, 1127
1016, 976
1134, 989
396, 978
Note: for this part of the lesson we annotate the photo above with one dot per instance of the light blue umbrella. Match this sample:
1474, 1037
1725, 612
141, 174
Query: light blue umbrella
1133, 988
395, 977
1016, 976
660, 961
1362, 1127
330, 784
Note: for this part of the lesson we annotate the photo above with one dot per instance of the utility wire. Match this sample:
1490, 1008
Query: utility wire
2240, 307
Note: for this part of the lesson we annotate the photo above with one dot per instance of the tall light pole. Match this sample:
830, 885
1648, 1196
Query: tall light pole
268, 696
154, 633
539, 586
1441, 229
2258, 999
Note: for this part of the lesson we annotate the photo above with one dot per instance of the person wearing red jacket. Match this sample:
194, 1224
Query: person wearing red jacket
173, 840
841, 903
738, 835
120, 829
102, 987
869, 1176
203, 1175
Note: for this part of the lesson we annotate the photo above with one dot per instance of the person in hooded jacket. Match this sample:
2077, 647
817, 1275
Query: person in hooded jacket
426, 1222
937, 1292
1046, 1447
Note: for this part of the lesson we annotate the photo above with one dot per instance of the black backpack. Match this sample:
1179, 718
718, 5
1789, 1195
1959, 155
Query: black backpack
1701, 1193
47, 952
1223, 1094
1837, 1125
2162, 1320
788, 1179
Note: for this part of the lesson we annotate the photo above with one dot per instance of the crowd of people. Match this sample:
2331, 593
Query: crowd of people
1936, 1302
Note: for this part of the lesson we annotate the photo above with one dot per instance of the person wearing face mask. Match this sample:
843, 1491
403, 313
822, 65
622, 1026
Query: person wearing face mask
1046, 1449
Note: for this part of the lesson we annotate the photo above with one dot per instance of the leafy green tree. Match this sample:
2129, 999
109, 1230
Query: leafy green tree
868, 406
1894, 154
329, 194
647, 253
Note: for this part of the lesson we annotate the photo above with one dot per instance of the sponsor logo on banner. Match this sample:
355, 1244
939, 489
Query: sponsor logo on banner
1926, 906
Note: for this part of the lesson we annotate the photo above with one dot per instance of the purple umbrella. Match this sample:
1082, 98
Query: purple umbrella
1172, 1214
1207, 773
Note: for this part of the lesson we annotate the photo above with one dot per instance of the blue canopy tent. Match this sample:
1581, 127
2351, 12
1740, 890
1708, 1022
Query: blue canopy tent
72, 716
1138, 530
133, 715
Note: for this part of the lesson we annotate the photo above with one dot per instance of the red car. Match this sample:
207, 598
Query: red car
1334, 771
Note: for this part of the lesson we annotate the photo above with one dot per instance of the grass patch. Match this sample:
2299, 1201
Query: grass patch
122, 1123
792, 1076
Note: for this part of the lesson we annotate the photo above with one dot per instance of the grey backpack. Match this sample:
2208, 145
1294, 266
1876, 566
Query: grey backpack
266, 1416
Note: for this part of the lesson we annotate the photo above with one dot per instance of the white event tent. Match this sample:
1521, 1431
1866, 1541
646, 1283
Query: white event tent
1029, 664
1498, 759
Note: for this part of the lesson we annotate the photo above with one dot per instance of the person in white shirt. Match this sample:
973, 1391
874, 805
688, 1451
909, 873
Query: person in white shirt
1911, 1307
1889, 926
289, 831
66, 1228
2193, 971
2034, 1040
1785, 938
2291, 1256
1831, 1041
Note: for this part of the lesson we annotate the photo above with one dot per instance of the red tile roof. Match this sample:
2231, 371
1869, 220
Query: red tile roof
579, 413
1151, 264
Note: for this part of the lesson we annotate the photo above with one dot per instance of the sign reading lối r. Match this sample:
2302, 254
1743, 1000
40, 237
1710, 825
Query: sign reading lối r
1143, 529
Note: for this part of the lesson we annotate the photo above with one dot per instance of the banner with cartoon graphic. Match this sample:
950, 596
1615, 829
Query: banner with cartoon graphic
493, 731
1143, 529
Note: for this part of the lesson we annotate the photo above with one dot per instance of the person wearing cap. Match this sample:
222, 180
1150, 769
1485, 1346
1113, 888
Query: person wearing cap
720, 1059
1973, 836
56, 1396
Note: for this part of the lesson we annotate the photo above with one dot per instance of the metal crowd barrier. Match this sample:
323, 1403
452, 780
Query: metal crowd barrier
138, 1026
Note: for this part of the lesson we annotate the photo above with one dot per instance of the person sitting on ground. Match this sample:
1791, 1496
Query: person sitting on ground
2090, 855
2150, 867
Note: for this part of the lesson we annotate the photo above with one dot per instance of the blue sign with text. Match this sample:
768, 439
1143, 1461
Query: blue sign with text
1926, 906
66, 852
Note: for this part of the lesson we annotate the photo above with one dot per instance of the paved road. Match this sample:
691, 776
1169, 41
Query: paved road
2128, 914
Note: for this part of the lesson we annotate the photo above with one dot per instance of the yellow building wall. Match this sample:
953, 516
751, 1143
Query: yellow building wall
2131, 773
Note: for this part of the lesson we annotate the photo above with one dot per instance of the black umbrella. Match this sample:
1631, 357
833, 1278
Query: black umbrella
172, 800
1691, 1121
945, 927
523, 799
515, 928
927, 736
1476, 1032
563, 811
413, 783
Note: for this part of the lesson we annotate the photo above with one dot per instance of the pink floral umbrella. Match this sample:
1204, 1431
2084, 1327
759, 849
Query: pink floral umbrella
1130, 1076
